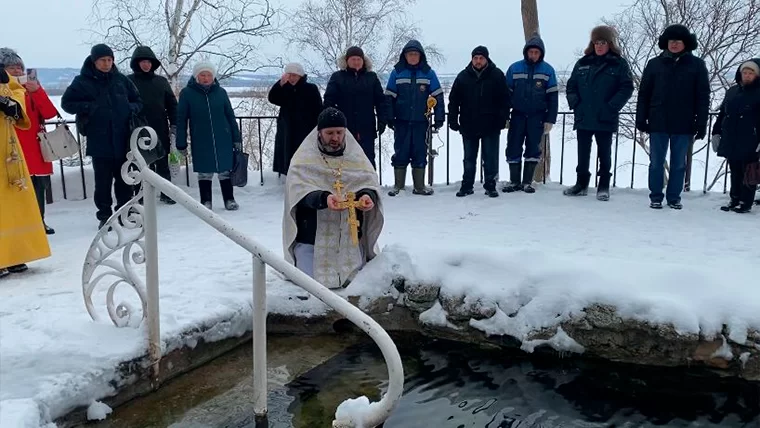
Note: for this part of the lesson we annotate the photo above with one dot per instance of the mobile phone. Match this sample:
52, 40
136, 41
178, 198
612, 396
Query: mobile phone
31, 74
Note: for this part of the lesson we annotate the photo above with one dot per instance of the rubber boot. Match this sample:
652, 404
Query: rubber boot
204, 187
527, 178
603, 189
399, 176
228, 195
581, 186
515, 175
418, 179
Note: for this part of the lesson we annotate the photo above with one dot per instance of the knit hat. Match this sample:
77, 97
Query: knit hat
678, 32
100, 51
480, 50
752, 65
9, 57
204, 66
295, 68
331, 117
354, 51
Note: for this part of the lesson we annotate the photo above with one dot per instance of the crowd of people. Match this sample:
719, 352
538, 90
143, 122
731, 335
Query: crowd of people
335, 135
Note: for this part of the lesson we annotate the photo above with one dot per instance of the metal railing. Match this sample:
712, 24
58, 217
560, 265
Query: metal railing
133, 232
263, 144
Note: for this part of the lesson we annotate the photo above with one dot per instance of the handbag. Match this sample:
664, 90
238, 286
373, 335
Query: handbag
239, 173
156, 153
752, 174
59, 143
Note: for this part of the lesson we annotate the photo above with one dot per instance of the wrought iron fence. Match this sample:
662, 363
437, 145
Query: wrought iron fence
259, 141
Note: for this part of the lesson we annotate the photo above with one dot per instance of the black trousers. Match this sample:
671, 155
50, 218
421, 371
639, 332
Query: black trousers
41, 183
603, 150
160, 167
490, 160
740, 192
108, 181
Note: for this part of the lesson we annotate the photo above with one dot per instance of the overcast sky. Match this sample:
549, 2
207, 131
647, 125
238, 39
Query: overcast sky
56, 34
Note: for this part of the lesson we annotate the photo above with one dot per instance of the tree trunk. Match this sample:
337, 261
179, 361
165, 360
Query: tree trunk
529, 9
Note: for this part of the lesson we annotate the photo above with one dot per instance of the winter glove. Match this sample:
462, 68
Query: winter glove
238, 146
381, 128
701, 134
454, 124
715, 141
4, 77
643, 127
548, 127
436, 126
10, 107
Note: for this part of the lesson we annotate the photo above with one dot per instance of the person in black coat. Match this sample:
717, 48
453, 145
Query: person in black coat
103, 101
672, 107
736, 133
159, 104
356, 91
479, 110
599, 87
300, 104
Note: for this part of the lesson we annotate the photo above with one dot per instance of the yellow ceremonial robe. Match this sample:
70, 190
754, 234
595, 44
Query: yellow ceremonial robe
22, 234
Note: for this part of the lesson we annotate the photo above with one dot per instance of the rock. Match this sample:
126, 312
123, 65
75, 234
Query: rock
417, 307
705, 352
422, 293
399, 283
373, 305
461, 308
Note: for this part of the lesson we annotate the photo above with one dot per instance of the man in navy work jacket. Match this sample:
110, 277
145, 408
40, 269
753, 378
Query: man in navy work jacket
410, 84
535, 100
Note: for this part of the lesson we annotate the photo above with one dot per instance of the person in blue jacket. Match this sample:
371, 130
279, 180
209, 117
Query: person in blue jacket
205, 108
410, 84
535, 100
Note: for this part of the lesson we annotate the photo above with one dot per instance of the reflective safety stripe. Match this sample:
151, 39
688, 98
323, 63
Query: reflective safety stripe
532, 159
391, 93
403, 81
423, 81
520, 76
541, 76
554, 89
436, 92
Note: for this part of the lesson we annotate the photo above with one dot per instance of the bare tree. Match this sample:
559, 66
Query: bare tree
324, 29
225, 32
728, 32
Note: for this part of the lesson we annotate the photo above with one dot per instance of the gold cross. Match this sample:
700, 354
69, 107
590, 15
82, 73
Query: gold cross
351, 204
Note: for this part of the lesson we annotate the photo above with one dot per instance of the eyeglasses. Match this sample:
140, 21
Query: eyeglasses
600, 43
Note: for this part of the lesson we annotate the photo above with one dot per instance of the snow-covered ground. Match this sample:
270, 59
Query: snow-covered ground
697, 268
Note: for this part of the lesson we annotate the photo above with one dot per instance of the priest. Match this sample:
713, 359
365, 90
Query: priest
333, 212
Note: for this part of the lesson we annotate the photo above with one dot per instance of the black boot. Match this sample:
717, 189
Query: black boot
204, 187
48, 230
581, 186
741, 209
603, 189
18, 268
399, 176
418, 179
4, 273
731, 205
228, 195
527, 181
464, 192
515, 175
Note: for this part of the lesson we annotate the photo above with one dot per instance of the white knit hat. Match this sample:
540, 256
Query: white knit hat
752, 65
204, 66
295, 68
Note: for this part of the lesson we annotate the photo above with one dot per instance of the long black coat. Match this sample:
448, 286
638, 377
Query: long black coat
159, 102
300, 106
479, 103
738, 122
103, 104
359, 95
598, 88
674, 95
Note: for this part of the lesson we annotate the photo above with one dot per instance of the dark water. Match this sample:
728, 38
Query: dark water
449, 386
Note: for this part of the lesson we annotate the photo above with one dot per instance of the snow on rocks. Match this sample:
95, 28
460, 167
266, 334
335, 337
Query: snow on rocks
98, 411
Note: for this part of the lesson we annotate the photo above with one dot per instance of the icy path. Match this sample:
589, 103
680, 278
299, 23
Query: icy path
53, 357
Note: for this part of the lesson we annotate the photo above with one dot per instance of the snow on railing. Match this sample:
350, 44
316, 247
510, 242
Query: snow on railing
132, 230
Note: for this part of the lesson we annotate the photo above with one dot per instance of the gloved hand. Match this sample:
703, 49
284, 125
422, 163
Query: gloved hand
380, 128
4, 76
548, 127
438, 124
701, 134
10, 107
238, 146
715, 141
643, 127
454, 124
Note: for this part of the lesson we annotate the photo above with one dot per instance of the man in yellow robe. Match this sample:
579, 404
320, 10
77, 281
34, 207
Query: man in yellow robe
22, 235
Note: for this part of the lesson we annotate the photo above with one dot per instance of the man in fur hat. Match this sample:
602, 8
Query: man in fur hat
599, 87
356, 91
672, 107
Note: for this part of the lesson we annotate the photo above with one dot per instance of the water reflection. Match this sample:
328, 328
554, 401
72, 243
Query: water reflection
448, 386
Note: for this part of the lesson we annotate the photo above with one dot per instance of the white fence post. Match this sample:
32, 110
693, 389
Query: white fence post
259, 338
151, 278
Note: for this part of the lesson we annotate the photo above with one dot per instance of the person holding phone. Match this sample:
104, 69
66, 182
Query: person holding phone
39, 108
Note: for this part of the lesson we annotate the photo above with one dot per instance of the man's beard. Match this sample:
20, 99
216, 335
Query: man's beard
327, 148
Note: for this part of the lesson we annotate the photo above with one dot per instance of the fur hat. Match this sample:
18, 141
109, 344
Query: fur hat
331, 117
204, 66
606, 33
295, 68
9, 57
678, 32
100, 51
752, 65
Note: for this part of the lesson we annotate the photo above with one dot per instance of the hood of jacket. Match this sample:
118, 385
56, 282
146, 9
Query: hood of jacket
141, 53
343, 62
412, 45
534, 42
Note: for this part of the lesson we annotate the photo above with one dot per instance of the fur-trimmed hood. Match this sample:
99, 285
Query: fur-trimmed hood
607, 33
343, 62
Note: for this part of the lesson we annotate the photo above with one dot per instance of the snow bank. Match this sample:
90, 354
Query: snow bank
98, 411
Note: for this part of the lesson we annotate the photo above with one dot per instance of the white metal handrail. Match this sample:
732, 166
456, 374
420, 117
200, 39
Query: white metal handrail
124, 232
